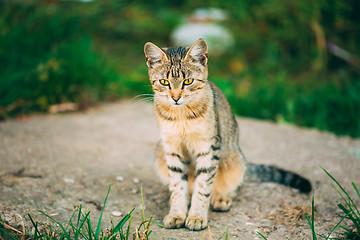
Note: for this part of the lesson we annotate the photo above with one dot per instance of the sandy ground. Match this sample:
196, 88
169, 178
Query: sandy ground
54, 163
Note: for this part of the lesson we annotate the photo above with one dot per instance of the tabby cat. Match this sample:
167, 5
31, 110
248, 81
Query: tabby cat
199, 154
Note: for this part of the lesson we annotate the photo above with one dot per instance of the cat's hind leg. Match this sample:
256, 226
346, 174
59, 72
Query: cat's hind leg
229, 176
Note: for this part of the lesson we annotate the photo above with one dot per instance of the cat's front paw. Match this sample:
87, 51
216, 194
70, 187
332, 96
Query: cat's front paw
174, 221
196, 223
221, 204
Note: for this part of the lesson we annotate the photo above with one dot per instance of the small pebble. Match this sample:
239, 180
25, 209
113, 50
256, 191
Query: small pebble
135, 191
136, 180
116, 213
120, 178
68, 180
250, 223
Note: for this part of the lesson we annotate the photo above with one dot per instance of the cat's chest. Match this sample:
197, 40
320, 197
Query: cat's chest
187, 130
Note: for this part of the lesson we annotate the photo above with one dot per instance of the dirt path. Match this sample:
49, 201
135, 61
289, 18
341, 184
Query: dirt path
54, 163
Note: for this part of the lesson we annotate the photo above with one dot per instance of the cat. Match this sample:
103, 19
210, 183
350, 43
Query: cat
198, 154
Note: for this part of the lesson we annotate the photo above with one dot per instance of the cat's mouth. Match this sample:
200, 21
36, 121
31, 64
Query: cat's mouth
177, 102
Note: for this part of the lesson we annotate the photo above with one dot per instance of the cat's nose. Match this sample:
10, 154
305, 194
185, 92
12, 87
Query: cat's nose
176, 98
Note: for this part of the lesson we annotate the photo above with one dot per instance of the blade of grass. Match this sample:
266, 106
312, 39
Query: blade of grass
23, 228
143, 224
90, 231
98, 227
82, 233
346, 229
348, 202
313, 214
210, 238
204, 234
224, 234
36, 230
357, 191
80, 227
341, 195
88, 224
58, 223
79, 216
311, 226
123, 221
73, 228
312, 221
138, 233
149, 222
148, 231
357, 216
352, 216
352, 212
49, 233
52, 232
5, 228
343, 190
128, 228
158, 224
261, 235
113, 236
328, 236
6, 232
349, 213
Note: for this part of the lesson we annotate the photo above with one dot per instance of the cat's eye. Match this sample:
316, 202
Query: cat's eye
188, 81
164, 82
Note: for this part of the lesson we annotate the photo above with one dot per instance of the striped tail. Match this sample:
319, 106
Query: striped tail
266, 173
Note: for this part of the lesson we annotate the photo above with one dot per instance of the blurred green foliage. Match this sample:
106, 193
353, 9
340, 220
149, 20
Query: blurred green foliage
293, 61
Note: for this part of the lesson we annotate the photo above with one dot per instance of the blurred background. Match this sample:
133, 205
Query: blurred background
288, 61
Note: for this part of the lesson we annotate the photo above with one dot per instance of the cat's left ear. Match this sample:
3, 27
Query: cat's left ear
154, 54
198, 52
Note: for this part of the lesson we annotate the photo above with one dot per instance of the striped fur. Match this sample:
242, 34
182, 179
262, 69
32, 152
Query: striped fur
265, 173
198, 155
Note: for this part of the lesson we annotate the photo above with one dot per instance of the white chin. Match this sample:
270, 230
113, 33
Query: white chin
177, 104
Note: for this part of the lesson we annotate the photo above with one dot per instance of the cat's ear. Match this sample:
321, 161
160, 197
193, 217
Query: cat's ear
154, 54
198, 52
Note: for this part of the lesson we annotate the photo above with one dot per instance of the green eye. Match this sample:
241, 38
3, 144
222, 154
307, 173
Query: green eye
188, 81
164, 82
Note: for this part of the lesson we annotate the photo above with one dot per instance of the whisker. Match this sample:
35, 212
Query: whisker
142, 100
142, 95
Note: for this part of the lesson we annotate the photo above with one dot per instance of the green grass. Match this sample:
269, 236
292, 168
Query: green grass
80, 226
56, 62
312, 221
349, 211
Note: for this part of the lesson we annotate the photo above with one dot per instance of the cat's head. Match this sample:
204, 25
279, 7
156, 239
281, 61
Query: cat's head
179, 74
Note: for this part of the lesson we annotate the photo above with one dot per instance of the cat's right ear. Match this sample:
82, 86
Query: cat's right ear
154, 55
